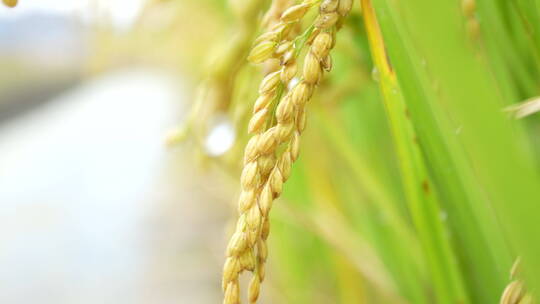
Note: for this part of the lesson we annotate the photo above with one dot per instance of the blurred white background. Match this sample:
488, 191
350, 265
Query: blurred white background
93, 207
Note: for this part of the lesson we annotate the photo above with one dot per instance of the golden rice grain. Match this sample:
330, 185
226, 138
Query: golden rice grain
232, 293
515, 292
344, 7
326, 63
527, 299
512, 293
326, 20
295, 13
328, 6
262, 51
265, 170
468, 7
472, 25
10, 3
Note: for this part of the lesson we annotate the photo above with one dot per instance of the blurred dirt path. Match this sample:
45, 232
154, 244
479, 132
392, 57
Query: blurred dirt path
93, 208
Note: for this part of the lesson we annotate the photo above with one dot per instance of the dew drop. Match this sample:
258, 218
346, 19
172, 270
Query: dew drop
443, 215
375, 74
221, 136
293, 83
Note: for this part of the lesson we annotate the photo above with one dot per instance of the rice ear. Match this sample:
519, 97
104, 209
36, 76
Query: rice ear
265, 168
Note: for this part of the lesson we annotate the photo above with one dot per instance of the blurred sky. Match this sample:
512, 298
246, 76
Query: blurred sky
121, 13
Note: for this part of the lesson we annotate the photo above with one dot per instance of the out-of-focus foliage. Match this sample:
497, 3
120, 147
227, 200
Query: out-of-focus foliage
413, 185
171, 34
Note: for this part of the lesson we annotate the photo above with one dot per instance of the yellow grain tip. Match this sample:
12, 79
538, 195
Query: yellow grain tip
261, 52
294, 13
254, 289
513, 293
327, 20
10, 3
468, 7
328, 6
269, 83
257, 121
176, 136
312, 69
232, 293
345, 7
322, 44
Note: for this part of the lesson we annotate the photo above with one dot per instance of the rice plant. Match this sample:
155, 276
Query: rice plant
378, 135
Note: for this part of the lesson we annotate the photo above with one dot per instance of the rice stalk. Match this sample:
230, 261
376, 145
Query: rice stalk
265, 170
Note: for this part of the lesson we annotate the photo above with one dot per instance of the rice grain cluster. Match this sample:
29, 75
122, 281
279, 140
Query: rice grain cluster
275, 144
